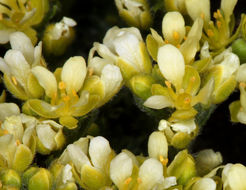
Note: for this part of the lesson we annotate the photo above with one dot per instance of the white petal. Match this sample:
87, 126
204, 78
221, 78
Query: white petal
157, 145
191, 45
229, 61
169, 182
171, 64
120, 169
46, 79
8, 109
158, 102
4, 35
227, 7
233, 177
198, 8
46, 136
151, 174
73, 73
4, 67
19, 41
241, 116
112, 78
69, 21
173, 27
204, 184
127, 47
18, 65
14, 126
37, 54
184, 126
67, 174
241, 73
77, 156
99, 151
97, 64
206, 160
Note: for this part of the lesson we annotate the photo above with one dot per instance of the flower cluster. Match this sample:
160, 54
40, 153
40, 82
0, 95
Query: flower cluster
177, 77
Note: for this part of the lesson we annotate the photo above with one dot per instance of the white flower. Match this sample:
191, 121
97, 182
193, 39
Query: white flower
233, 177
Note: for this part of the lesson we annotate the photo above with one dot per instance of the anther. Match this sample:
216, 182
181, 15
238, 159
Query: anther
176, 35
242, 84
14, 80
74, 93
5, 132
139, 180
178, 45
168, 84
17, 142
128, 180
202, 15
192, 79
215, 15
66, 98
210, 33
166, 41
185, 37
218, 24
61, 85
163, 160
219, 13
187, 100
90, 71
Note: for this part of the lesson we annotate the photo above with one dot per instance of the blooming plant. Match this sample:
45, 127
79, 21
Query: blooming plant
67, 114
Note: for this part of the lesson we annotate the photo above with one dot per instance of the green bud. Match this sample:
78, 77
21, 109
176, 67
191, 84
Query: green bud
9, 177
58, 36
39, 179
141, 85
182, 167
68, 186
239, 48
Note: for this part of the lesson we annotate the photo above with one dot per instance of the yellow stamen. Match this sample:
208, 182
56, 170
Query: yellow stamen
176, 35
193, 79
219, 13
202, 15
14, 80
90, 71
178, 45
242, 84
241, 109
139, 180
61, 85
5, 132
128, 180
17, 142
166, 41
185, 37
168, 84
210, 33
215, 15
187, 100
74, 93
218, 24
66, 98
163, 160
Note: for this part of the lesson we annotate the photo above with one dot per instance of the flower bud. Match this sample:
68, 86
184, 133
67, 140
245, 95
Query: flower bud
9, 177
135, 12
58, 36
233, 177
141, 85
206, 160
182, 167
239, 48
38, 179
